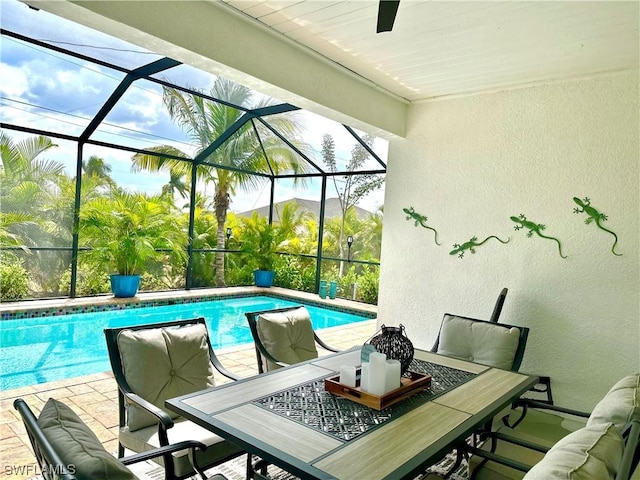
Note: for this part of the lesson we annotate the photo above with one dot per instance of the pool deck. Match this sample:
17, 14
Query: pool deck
94, 397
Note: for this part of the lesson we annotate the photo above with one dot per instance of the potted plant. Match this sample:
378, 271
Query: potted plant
260, 241
128, 231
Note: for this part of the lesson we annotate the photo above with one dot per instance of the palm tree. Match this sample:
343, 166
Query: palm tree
205, 121
28, 185
96, 168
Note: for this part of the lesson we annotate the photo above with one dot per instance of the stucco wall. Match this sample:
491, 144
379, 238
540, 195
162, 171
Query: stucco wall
468, 164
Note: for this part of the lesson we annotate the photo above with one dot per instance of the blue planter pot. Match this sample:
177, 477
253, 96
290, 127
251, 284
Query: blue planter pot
263, 278
125, 286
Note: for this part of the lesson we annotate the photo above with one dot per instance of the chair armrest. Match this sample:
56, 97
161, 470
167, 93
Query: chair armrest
543, 386
324, 345
546, 406
527, 403
263, 351
518, 441
166, 452
494, 457
157, 452
218, 366
164, 420
631, 454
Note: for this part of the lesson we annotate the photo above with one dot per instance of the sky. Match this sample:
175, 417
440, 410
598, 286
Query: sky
69, 92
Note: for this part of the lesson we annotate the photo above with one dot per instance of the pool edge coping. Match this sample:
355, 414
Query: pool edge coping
66, 306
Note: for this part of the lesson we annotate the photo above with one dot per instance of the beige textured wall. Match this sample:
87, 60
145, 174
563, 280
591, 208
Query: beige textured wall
469, 164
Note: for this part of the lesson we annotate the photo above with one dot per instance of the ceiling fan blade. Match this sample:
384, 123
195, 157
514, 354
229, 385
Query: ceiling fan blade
387, 15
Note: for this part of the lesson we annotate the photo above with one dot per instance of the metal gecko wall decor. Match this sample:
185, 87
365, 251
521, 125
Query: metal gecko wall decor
596, 217
471, 245
536, 228
419, 220
584, 206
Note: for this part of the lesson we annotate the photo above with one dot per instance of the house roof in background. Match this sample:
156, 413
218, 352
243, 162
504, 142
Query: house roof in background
332, 209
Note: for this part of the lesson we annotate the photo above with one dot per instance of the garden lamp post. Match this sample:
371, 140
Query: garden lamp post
349, 243
228, 236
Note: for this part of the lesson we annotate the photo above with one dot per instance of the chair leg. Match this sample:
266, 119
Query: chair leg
120, 450
460, 454
249, 475
492, 448
256, 470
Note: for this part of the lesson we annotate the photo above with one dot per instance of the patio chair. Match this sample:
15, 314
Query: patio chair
493, 344
67, 449
284, 336
602, 444
485, 342
152, 363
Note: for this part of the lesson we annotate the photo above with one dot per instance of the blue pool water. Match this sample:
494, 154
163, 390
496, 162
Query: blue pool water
38, 350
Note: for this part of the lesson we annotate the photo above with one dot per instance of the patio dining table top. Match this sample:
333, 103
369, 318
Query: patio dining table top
286, 417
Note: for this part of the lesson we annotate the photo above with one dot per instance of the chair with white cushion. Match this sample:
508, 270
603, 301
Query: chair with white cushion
152, 363
66, 449
284, 336
493, 344
552, 442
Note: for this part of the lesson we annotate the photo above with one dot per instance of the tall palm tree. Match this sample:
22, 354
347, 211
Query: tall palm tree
205, 121
96, 167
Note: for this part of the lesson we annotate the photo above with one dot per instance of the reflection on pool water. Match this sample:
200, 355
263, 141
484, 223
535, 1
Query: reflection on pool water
38, 350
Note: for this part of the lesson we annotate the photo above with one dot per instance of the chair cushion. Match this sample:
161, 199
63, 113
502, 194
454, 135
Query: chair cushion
77, 445
147, 438
287, 336
620, 405
162, 363
481, 342
586, 454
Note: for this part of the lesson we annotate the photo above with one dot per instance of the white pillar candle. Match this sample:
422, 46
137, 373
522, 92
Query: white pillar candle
348, 375
392, 375
364, 377
377, 373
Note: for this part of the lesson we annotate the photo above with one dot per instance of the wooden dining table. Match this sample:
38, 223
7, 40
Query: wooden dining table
287, 418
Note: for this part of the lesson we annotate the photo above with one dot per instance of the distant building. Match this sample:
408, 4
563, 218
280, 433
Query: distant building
331, 209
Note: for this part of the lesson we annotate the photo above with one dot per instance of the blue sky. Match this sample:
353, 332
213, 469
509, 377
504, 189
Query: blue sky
72, 91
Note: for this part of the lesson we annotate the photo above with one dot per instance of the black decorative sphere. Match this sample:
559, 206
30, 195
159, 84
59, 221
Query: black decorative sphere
393, 342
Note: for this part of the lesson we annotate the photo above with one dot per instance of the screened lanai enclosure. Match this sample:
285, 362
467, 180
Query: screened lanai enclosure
118, 160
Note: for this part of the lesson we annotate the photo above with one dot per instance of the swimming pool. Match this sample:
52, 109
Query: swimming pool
39, 350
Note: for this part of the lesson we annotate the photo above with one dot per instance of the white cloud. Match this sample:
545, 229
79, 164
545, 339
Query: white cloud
14, 81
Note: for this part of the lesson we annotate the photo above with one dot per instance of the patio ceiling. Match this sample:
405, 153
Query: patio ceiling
326, 57
439, 48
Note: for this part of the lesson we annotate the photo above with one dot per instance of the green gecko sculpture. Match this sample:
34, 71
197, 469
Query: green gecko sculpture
534, 227
594, 216
419, 219
459, 249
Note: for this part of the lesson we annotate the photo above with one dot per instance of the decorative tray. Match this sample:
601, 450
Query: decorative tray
411, 382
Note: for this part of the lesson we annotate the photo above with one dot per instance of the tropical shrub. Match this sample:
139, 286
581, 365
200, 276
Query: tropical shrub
368, 285
294, 273
261, 241
14, 282
89, 281
129, 231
